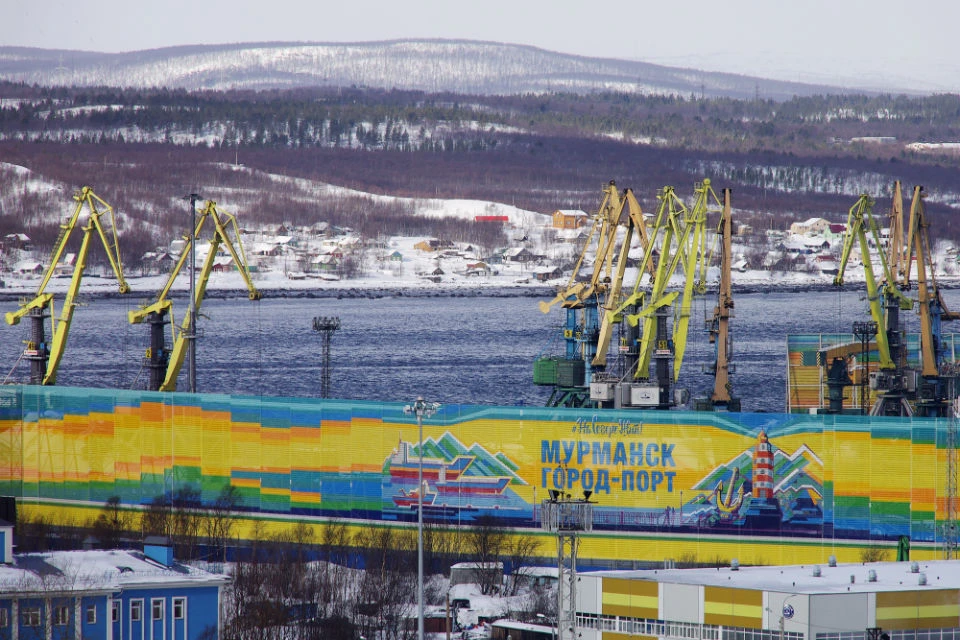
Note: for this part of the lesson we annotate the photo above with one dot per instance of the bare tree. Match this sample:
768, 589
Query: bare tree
111, 524
521, 550
336, 595
218, 523
388, 583
486, 544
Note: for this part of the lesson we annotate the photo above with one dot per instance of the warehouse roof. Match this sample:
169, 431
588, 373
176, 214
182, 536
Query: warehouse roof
811, 579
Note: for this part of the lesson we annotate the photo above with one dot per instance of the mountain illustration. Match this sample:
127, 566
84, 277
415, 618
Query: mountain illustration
448, 448
796, 473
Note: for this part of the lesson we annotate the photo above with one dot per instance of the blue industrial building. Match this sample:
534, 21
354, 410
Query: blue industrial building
114, 595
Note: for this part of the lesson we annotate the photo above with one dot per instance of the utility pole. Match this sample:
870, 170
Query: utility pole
950, 518
326, 327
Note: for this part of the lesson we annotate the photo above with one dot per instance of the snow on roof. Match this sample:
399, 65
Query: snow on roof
524, 626
572, 212
477, 565
93, 570
550, 572
801, 579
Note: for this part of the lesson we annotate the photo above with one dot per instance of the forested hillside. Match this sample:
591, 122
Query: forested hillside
143, 149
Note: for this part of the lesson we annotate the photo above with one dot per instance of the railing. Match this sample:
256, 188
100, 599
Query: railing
674, 630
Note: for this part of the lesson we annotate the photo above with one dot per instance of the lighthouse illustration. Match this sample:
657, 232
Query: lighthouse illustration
763, 468
764, 509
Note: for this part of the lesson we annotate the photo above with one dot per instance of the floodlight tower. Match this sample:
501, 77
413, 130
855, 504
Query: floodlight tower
326, 326
420, 408
567, 517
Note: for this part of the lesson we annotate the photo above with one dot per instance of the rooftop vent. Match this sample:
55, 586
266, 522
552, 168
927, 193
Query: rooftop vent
871, 576
734, 565
832, 561
853, 578
816, 571
914, 567
922, 579
159, 549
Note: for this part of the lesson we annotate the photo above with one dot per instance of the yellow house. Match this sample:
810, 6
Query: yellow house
569, 219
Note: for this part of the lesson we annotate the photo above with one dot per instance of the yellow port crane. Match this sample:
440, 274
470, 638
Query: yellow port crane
918, 245
45, 359
890, 381
609, 318
683, 244
932, 396
720, 323
600, 242
165, 364
571, 375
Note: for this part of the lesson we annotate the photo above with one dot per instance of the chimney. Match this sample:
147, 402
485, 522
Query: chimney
159, 549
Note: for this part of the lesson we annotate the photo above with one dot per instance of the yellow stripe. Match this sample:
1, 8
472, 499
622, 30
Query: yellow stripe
732, 609
626, 599
912, 612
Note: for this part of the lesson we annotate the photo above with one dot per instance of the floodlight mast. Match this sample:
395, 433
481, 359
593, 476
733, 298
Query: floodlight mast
420, 408
567, 517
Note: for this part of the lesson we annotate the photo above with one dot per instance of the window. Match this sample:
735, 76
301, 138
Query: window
61, 616
30, 617
136, 610
179, 608
157, 606
91, 614
4, 618
115, 611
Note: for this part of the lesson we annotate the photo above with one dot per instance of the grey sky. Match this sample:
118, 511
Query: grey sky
880, 43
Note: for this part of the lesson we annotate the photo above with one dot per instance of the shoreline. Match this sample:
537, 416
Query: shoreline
98, 289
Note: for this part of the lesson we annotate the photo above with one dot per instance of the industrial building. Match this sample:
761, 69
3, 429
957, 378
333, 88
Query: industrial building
902, 600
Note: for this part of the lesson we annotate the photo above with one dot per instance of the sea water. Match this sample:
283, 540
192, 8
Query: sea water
467, 349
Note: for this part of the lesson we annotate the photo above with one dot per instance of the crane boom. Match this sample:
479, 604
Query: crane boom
46, 362
575, 291
859, 221
168, 365
634, 222
917, 244
683, 240
719, 326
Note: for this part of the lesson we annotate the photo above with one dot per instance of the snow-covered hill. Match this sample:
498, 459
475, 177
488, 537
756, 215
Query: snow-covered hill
456, 66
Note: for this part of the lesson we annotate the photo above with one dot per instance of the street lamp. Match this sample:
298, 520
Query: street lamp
420, 408
786, 611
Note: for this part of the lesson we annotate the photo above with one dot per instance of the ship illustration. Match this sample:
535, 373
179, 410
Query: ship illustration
446, 478
410, 499
457, 481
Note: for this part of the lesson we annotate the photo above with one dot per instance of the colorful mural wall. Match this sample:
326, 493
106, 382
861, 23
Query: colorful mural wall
776, 488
